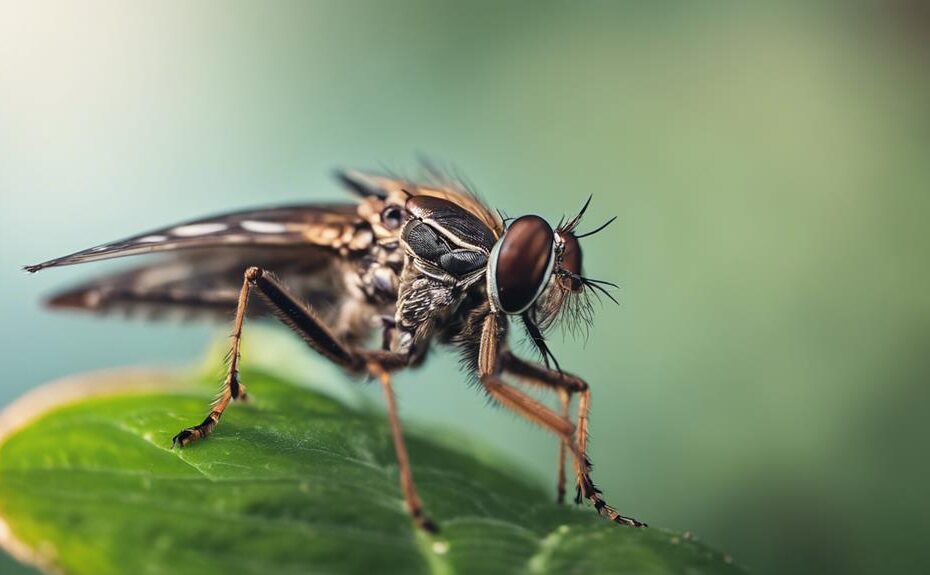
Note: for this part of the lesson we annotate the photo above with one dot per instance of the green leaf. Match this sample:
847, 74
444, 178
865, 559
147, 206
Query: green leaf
291, 482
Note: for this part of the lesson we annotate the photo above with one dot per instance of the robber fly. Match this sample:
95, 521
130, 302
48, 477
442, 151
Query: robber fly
429, 261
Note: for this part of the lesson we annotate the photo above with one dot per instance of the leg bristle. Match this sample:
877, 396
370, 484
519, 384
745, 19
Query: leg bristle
588, 490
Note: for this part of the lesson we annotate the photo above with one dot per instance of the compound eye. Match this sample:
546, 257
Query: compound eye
392, 217
571, 263
521, 264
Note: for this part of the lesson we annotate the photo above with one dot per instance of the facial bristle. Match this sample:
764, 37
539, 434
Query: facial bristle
598, 229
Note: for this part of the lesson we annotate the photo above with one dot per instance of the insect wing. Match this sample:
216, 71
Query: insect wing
333, 227
205, 259
201, 283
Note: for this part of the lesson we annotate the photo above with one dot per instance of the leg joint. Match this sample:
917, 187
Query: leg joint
492, 381
253, 273
578, 385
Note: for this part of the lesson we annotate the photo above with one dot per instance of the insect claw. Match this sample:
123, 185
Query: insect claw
629, 521
428, 525
182, 439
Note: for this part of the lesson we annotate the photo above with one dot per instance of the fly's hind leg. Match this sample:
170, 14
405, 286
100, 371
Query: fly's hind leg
317, 335
232, 387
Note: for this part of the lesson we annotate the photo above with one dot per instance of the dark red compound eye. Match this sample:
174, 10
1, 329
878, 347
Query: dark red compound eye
521, 264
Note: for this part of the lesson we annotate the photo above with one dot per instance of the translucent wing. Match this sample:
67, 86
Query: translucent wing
203, 283
204, 259
330, 227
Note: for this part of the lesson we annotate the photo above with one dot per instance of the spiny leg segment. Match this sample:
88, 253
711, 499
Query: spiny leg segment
490, 366
314, 332
566, 385
232, 388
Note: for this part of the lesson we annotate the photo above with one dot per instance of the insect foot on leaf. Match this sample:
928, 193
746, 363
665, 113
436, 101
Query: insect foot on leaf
184, 438
425, 523
192, 434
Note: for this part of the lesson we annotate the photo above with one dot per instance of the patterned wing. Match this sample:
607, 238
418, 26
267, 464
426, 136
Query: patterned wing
201, 272
331, 227
203, 283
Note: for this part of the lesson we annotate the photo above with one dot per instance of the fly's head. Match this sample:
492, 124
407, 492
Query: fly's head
535, 271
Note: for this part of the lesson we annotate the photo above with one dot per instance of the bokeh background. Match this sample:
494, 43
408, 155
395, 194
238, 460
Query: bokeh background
764, 383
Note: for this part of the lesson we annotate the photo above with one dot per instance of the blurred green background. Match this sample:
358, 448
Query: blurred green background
764, 383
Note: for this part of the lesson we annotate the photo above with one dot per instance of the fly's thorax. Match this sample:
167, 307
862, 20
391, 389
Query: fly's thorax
455, 224
447, 250
445, 239
377, 281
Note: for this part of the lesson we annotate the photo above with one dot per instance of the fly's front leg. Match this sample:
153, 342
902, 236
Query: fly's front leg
232, 388
565, 399
566, 385
491, 363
